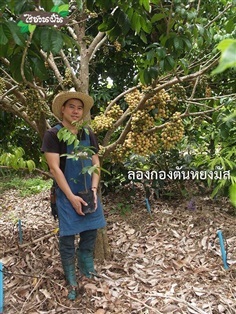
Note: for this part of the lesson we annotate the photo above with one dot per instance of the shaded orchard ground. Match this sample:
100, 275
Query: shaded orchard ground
166, 262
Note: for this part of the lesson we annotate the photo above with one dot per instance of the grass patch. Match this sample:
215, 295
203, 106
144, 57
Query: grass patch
25, 185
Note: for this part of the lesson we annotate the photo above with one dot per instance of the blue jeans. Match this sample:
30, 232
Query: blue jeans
86, 243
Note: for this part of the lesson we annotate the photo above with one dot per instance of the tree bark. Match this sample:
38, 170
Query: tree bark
102, 247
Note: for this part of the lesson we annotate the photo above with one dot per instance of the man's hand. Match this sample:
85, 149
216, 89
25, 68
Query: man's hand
77, 202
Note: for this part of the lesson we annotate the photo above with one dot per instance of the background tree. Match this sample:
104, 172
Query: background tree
158, 56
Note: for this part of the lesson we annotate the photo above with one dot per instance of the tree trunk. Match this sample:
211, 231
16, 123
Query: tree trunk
102, 248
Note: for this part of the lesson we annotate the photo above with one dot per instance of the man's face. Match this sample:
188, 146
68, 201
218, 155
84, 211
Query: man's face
72, 110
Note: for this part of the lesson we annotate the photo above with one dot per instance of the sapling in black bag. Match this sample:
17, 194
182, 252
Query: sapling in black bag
88, 197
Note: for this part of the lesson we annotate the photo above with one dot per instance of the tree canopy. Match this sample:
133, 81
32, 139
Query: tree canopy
148, 65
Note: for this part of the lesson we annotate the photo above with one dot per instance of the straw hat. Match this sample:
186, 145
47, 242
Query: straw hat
62, 97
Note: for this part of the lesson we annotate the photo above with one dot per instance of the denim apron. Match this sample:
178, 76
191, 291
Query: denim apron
70, 223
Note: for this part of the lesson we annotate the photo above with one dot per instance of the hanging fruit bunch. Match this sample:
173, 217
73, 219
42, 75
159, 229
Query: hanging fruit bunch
2, 86
173, 131
68, 81
35, 105
158, 109
104, 122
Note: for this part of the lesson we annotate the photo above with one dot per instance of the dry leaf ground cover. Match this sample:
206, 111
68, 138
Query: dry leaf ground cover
166, 262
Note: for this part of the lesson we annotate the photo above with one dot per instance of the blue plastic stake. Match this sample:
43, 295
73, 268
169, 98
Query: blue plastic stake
20, 231
1, 288
222, 248
148, 205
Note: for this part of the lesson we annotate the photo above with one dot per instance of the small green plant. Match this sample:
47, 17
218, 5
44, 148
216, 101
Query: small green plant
25, 186
79, 151
123, 208
35, 186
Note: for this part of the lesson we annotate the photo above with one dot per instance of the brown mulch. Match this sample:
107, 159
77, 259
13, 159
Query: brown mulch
168, 261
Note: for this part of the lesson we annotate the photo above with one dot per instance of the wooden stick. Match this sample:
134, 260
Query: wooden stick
48, 235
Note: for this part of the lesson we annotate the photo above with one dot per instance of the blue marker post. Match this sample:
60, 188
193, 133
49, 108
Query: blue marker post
222, 248
1, 288
148, 205
20, 231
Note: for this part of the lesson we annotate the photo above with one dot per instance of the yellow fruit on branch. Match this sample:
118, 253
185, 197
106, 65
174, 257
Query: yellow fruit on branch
101, 123
115, 112
173, 131
2, 86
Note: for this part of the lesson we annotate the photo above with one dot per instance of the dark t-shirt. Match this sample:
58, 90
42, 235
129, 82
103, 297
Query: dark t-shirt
51, 143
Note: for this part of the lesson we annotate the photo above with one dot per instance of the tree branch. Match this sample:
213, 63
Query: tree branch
121, 119
186, 78
183, 115
110, 148
96, 44
6, 105
114, 101
53, 66
22, 71
194, 88
215, 97
44, 173
198, 6
219, 15
119, 122
7, 63
142, 102
83, 78
16, 93
71, 31
169, 18
9, 91
68, 66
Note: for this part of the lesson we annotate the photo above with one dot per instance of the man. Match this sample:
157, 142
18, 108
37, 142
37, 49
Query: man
71, 107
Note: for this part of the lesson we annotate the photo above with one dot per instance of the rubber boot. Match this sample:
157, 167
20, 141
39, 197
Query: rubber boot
69, 271
85, 263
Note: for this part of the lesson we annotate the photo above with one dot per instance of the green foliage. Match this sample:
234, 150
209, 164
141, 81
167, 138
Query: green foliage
25, 185
162, 160
123, 208
14, 133
232, 193
13, 36
79, 151
66, 136
159, 35
148, 41
62, 10
216, 148
218, 164
9, 30
179, 31
114, 177
228, 55
15, 160
228, 60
